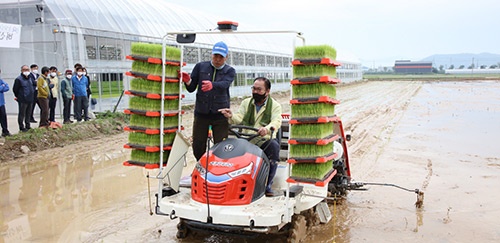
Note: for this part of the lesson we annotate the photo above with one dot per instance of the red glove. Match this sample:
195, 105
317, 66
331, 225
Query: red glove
73, 97
206, 85
184, 77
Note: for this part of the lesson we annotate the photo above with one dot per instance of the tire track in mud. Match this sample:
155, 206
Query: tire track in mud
373, 112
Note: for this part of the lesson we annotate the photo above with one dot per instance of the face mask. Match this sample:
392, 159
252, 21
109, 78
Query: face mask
84, 73
26, 73
35, 71
258, 97
79, 73
53, 74
68, 76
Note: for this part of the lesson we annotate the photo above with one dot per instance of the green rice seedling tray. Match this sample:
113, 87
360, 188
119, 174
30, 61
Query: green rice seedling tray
314, 90
144, 85
323, 141
310, 120
152, 96
309, 150
153, 122
314, 100
155, 50
150, 149
154, 69
153, 60
317, 182
314, 70
145, 104
312, 80
315, 51
316, 61
151, 113
142, 139
317, 159
151, 77
311, 131
312, 109
151, 131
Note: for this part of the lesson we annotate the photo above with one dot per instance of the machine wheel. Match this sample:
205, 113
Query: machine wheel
182, 230
298, 229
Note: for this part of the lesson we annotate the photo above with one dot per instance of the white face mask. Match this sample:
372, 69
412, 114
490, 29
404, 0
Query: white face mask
53, 74
79, 73
35, 71
68, 76
26, 73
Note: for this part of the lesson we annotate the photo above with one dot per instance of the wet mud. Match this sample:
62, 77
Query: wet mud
438, 137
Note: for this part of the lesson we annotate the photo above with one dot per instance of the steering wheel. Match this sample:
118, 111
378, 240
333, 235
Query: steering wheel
237, 130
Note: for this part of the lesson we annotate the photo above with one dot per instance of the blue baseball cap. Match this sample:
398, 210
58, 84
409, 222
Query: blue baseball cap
220, 48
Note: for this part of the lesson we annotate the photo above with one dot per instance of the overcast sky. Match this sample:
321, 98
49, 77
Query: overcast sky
377, 32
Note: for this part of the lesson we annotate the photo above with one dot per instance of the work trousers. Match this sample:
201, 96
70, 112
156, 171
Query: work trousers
3, 120
66, 109
44, 111
220, 131
52, 109
24, 115
81, 103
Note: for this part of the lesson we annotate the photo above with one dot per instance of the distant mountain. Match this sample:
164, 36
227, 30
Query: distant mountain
465, 59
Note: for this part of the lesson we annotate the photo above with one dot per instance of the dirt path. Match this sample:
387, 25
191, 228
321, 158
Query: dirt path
411, 133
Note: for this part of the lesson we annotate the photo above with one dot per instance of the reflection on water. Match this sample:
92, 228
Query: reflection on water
39, 198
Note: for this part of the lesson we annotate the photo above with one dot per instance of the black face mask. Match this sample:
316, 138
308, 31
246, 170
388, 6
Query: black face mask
258, 97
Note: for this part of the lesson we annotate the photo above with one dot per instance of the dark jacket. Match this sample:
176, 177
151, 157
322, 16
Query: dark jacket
208, 103
23, 89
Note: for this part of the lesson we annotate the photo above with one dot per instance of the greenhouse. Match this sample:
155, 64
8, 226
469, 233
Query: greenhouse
98, 34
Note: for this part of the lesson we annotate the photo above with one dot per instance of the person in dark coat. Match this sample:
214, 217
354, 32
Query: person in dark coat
24, 92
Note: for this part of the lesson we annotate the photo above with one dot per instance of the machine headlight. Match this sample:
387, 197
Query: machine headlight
242, 171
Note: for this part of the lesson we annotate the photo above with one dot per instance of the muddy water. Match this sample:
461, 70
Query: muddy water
438, 137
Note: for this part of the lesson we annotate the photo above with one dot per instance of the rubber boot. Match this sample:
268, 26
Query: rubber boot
273, 166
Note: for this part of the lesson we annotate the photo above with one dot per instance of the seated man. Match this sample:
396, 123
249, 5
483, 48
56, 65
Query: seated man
262, 112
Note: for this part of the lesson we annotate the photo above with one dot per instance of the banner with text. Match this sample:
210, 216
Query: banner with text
10, 35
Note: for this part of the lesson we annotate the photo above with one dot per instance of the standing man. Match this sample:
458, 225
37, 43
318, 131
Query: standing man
34, 76
67, 95
43, 97
79, 82
54, 93
4, 87
212, 79
262, 112
24, 92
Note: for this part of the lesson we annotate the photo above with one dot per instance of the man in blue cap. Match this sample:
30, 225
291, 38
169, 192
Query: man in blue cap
212, 80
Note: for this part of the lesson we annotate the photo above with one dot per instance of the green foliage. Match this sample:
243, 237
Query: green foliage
311, 131
154, 50
310, 150
304, 71
148, 158
154, 69
312, 171
153, 122
144, 85
312, 110
141, 103
313, 90
312, 52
